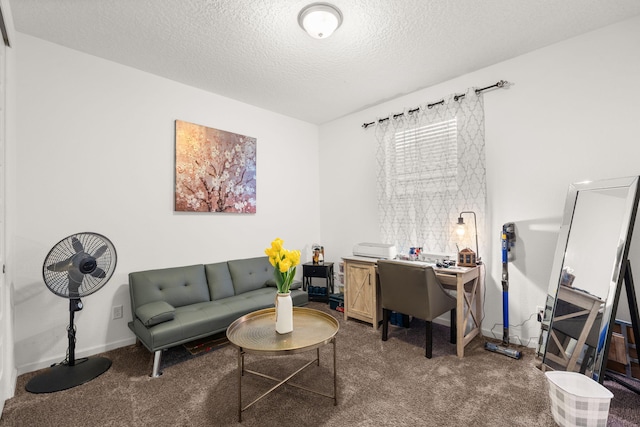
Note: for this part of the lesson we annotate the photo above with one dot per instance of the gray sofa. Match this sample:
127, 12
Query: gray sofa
172, 306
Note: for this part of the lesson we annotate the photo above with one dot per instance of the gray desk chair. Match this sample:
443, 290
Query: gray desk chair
414, 290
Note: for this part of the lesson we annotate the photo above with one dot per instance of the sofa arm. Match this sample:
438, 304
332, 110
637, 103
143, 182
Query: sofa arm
155, 312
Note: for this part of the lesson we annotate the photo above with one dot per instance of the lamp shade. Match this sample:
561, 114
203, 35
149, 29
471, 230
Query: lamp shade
461, 227
320, 20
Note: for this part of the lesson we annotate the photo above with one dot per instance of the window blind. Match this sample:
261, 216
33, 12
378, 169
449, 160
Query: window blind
426, 157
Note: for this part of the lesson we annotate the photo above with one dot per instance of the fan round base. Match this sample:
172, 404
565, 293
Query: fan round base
63, 377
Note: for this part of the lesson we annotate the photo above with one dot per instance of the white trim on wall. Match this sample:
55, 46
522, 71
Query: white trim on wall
8, 372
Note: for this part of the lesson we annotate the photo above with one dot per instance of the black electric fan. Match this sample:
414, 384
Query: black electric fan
76, 266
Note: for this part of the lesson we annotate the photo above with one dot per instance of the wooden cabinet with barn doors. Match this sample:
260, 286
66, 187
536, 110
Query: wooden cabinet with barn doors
361, 293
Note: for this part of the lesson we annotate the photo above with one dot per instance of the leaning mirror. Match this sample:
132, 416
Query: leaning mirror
587, 274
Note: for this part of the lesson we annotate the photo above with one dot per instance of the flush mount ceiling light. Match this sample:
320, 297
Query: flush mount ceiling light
320, 20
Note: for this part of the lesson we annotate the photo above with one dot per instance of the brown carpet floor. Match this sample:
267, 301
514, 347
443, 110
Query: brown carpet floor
379, 384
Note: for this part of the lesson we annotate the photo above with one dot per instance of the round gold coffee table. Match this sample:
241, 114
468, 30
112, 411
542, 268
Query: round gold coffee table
255, 333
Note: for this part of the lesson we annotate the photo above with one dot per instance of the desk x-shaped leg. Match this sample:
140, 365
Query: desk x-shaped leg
469, 299
467, 302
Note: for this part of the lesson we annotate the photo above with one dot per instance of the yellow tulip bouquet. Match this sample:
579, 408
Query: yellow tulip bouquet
284, 262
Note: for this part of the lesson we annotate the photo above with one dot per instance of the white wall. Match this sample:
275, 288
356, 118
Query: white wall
95, 152
572, 114
94, 144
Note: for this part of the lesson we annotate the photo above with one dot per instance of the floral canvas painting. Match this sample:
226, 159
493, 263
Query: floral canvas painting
215, 170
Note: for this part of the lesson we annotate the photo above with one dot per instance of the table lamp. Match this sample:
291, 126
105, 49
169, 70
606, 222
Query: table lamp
460, 230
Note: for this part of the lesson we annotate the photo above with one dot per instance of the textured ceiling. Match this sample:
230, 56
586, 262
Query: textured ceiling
255, 52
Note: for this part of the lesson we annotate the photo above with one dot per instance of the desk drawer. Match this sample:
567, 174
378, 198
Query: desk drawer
447, 279
315, 270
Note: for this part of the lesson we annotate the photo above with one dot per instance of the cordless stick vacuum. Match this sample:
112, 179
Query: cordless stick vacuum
508, 241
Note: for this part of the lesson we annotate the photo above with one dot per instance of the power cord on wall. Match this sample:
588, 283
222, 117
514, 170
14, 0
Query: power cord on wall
484, 301
515, 326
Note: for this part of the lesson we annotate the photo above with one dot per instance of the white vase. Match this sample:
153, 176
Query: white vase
284, 313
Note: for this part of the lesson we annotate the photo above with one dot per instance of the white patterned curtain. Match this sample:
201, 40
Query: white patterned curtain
432, 167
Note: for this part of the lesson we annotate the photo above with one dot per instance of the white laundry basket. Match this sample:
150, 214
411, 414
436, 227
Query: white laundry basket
577, 400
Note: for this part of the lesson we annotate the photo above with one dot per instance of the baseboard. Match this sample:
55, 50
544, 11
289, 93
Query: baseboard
79, 354
531, 342
446, 321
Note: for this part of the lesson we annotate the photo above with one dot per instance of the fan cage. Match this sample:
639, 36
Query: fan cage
58, 281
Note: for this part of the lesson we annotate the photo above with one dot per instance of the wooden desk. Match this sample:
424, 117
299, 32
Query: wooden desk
362, 300
576, 324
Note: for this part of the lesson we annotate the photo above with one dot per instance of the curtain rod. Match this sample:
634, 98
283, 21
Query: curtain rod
500, 84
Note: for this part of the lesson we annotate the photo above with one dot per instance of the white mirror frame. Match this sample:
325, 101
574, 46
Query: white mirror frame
617, 262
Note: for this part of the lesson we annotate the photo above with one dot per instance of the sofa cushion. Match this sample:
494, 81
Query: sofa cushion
155, 312
178, 286
207, 318
219, 280
250, 274
296, 284
262, 298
